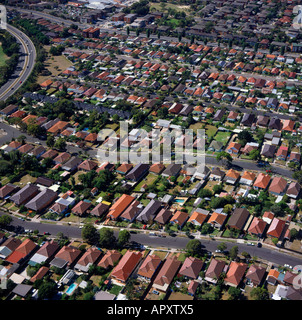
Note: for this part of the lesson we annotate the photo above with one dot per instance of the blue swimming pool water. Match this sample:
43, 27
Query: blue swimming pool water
71, 288
179, 200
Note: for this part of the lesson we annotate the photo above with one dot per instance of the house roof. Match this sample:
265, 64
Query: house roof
119, 206
157, 168
89, 257
163, 216
262, 180
276, 228
68, 253
257, 226
235, 273
191, 267
248, 175
24, 249
40, 274
41, 200
198, 217
149, 266
215, 268
217, 218
255, 274
238, 218
278, 185
81, 207
24, 194
126, 265
179, 217
87, 165
293, 189
149, 211
167, 273
100, 209
109, 259
125, 167
233, 174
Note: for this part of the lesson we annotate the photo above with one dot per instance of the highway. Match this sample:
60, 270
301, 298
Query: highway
25, 65
73, 232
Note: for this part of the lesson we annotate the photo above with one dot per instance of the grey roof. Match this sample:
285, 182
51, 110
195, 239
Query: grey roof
22, 289
58, 262
248, 119
268, 150
238, 218
42, 200
150, 211
72, 163
25, 194
137, 172
103, 295
172, 170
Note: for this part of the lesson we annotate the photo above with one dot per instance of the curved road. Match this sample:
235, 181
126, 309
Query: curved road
25, 65
274, 256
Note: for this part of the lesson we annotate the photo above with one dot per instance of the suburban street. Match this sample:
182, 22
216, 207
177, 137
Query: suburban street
74, 232
25, 65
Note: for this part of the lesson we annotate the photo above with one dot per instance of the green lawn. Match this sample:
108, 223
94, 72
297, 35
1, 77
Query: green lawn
210, 130
222, 136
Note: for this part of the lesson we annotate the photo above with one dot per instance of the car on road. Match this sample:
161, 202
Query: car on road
259, 244
20, 81
46, 233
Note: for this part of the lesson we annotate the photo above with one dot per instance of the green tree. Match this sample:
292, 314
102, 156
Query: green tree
5, 220
259, 293
123, 237
234, 293
90, 234
222, 247
50, 141
47, 290
233, 252
107, 238
60, 144
193, 247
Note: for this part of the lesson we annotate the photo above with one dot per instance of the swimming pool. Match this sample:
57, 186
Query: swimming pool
71, 288
179, 200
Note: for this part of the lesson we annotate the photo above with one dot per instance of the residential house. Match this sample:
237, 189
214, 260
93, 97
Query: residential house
42, 200
9, 246
72, 164
248, 119
126, 266
198, 216
138, 172
163, 216
179, 218
45, 253
132, 211
275, 123
233, 148
150, 211
25, 194
235, 274
120, 206
276, 228
149, 267
255, 275
217, 174
218, 219
214, 270
66, 257
268, 150
239, 218
232, 176
216, 146
124, 168
7, 190
88, 259
22, 252
87, 165
257, 227
81, 208
247, 178
172, 170
262, 181
293, 190
166, 274
100, 209
191, 268
278, 186
109, 259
